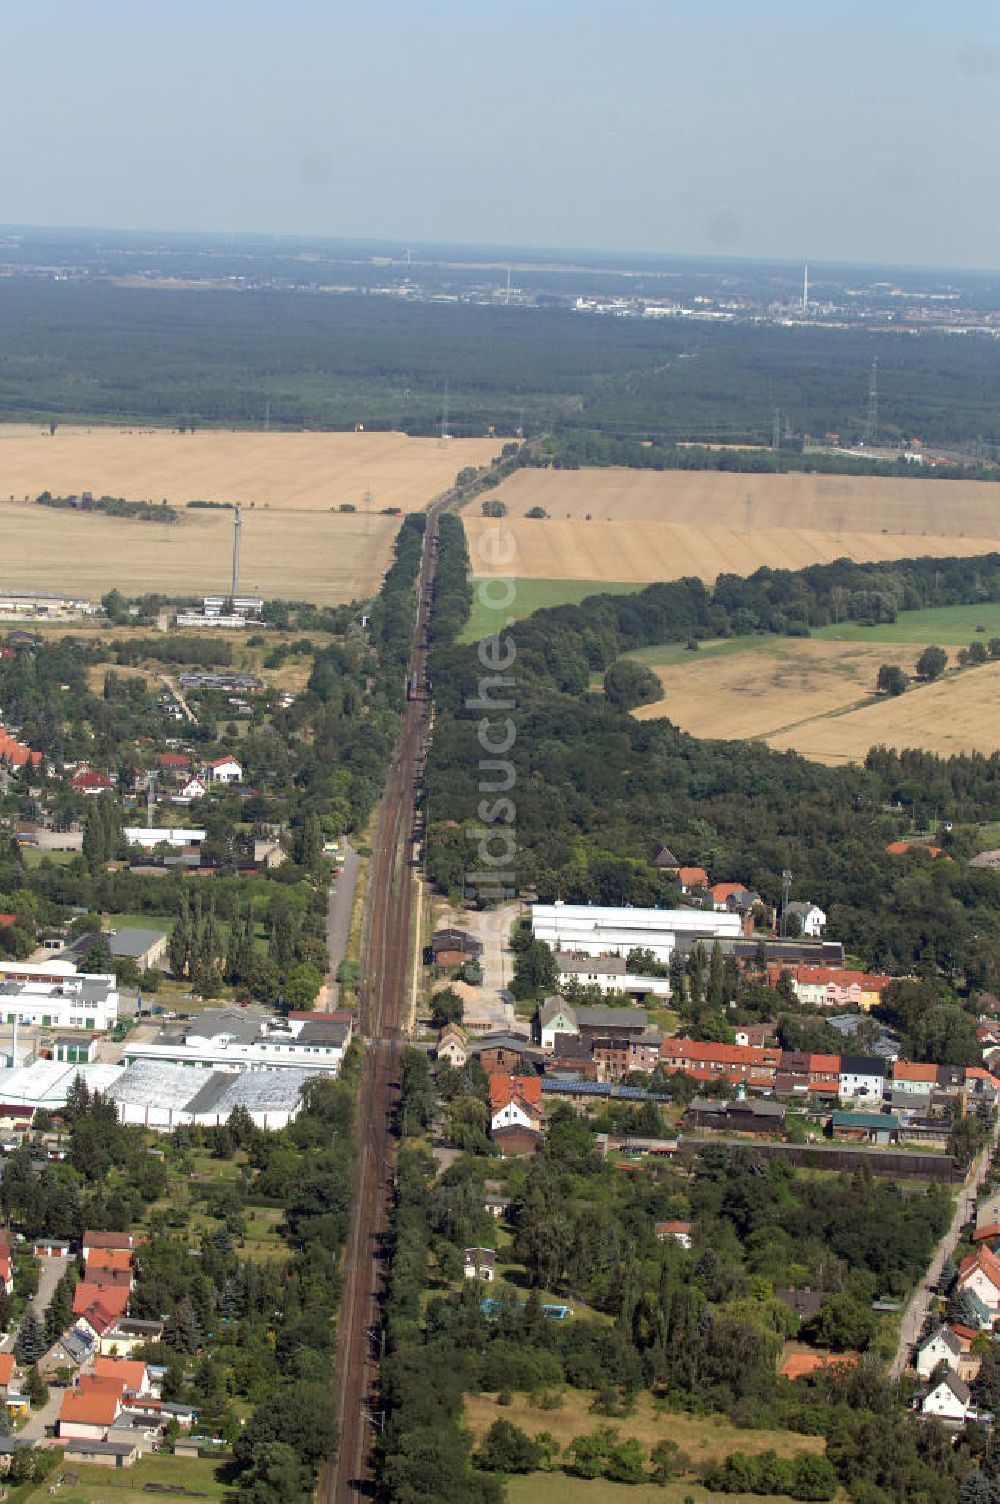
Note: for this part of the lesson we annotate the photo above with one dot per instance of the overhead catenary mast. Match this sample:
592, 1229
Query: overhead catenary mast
805, 289
871, 427
237, 529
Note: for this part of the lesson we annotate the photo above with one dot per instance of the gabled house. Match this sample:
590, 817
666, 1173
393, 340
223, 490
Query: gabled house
950, 1400
480, 1263
515, 1102
980, 1273
692, 878
555, 1016
93, 1239
987, 1219
192, 788
942, 1346
810, 916
453, 1046
663, 858
89, 1410
680, 1232
100, 1305
862, 1078
225, 770
86, 781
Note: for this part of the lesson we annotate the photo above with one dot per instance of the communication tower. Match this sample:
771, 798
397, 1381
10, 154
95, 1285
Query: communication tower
805, 289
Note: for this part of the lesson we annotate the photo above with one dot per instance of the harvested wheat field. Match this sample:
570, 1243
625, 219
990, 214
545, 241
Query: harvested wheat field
658, 525
299, 471
314, 556
818, 698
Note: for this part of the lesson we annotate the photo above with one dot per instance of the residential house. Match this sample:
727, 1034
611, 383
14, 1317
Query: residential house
643, 1050
831, 987
132, 1373
86, 781
172, 762
980, 1273
115, 1260
90, 1409
754, 1035
950, 1401
452, 1046
862, 1078
225, 770
453, 947
93, 1240
15, 754
9, 1376
807, 1073
480, 1263
679, 1231
663, 858
692, 879
125, 1335
914, 1078
812, 920
515, 1101
987, 1218
607, 974
500, 1054
100, 1305
555, 1016
942, 1346
192, 788
706, 1061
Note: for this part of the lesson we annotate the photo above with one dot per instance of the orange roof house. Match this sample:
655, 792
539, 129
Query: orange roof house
92, 1239
693, 877
901, 848
118, 1260
95, 1402
504, 1089
129, 1372
15, 753
107, 1300
7, 1366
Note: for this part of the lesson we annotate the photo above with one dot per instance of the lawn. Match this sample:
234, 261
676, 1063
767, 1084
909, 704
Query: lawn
951, 626
531, 596
195, 1477
559, 1488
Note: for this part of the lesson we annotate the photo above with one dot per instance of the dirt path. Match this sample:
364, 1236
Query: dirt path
916, 1312
338, 916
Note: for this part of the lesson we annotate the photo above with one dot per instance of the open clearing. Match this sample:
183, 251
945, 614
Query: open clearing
703, 1438
309, 472
186, 1477
530, 596
817, 697
324, 557
647, 525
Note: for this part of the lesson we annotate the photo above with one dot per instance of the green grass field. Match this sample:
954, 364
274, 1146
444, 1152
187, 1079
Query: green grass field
531, 596
559, 1488
192, 1477
951, 626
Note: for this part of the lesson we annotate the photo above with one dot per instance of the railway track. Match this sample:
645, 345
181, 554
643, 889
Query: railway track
386, 951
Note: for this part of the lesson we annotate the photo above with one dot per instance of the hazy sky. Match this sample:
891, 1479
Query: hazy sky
797, 128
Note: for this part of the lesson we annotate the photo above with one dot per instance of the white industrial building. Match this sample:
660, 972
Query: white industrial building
232, 1039
80, 1001
149, 837
164, 1097
591, 930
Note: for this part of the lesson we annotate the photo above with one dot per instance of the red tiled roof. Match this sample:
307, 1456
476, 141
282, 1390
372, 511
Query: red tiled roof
108, 1259
173, 760
107, 1300
720, 1054
504, 1089
985, 1259
6, 1368
15, 752
89, 780
722, 892
908, 1070
6, 920
128, 1371
693, 877
667, 1227
92, 1404
220, 762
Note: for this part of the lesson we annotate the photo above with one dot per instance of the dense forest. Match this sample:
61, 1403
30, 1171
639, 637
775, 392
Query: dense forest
168, 356
590, 791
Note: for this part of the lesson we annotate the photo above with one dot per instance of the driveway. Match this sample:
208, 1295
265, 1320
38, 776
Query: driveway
965, 1208
338, 917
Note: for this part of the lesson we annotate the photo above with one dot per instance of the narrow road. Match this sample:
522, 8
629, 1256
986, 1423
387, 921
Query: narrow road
338, 916
383, 1003
916, 1311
